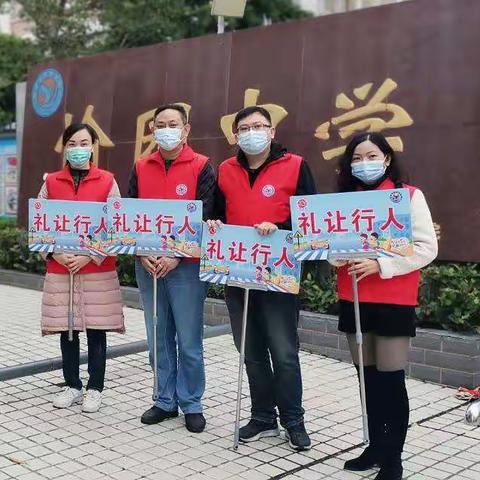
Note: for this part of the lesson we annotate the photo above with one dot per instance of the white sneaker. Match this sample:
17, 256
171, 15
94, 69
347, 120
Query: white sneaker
92, 401
67, 397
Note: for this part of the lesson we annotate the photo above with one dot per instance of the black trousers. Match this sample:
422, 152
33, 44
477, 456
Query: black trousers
97, 359
271, 353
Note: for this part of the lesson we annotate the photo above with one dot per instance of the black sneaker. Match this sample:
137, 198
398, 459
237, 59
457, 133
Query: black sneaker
367, 460
157, 415
255, 429
195, 422
298, 438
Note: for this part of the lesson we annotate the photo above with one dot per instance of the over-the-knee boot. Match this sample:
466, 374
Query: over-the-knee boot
370, 457
396, 411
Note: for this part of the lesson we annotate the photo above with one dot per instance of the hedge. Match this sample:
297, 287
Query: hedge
449, 295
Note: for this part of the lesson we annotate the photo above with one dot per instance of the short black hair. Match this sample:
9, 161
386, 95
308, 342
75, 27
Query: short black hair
268, 269
71, 130
172, 106
374, 234
172, 237
89, 237
246, 112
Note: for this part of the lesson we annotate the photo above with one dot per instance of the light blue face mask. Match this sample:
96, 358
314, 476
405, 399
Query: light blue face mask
168, 138
78, 157
253, 143
369, 171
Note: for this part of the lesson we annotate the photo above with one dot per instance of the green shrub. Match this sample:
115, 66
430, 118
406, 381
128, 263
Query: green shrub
6, 222
450, 296
317, 292
14, 253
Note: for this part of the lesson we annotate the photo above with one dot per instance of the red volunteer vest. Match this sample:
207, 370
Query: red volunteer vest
179, 183
268, 199
95, 187
399, 290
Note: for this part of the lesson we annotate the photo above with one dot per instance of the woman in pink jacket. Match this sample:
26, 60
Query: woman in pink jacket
97, 297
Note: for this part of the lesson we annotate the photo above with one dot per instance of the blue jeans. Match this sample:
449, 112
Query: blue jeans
271, 353
181, 296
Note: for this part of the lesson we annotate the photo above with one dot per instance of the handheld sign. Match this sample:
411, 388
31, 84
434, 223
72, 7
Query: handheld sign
352, 225
240, 256
154, 227
61, 226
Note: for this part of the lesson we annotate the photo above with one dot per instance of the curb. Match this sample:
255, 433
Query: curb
50, 364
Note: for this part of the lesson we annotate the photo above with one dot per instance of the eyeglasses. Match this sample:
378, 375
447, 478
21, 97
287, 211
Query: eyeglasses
257, 127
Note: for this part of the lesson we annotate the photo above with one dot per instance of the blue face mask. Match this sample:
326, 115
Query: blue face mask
253, 143
168, 138
369, 171
78, 157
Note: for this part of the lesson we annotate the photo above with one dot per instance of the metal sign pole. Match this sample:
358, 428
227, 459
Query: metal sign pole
220, 24
359, 339
236, 436
70, 307
155, 323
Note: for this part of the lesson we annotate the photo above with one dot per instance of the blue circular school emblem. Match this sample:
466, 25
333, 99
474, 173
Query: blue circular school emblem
396, 197
289, 237
47, 92
191, 207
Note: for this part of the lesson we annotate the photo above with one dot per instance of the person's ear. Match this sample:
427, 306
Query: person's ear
150, 126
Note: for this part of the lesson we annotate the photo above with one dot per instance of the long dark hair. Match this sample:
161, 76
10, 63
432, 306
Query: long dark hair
347, 182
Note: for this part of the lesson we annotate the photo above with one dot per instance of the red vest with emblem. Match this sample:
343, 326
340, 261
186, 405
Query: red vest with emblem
398, 290
268, 199
179, 183
95, 187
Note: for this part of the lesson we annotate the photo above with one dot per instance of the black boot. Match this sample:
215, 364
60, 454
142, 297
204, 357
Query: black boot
370, 457
396, 411
391, 470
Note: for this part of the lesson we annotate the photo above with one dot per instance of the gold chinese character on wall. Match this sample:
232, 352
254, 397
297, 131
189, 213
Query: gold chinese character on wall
375, 115
277, 112
103, 139
144, 141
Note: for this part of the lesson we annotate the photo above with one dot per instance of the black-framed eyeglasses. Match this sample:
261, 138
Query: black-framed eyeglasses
257, 127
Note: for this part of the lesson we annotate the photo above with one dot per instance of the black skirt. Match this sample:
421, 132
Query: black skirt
386, 320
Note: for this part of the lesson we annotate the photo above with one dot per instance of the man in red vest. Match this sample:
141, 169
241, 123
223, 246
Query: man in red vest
254, 189
174, 171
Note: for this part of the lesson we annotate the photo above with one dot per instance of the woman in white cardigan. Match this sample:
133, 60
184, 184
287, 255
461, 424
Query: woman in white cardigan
388, 292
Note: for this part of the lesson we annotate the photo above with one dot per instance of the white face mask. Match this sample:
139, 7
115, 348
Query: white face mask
168, 138
253, 143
